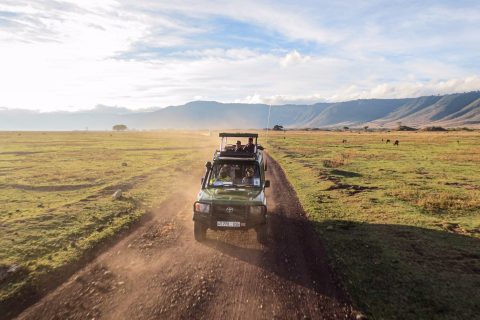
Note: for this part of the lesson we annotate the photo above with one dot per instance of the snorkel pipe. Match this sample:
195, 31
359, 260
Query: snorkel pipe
208, 166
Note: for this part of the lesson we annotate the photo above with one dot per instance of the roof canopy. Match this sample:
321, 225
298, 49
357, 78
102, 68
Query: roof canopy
226, 134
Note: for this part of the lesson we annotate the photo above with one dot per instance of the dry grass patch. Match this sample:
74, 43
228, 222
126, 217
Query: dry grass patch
440, 201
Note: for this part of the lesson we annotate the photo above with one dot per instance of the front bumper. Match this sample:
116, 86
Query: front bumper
240, 214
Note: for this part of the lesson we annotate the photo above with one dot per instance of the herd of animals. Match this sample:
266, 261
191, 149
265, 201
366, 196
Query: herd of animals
396, 143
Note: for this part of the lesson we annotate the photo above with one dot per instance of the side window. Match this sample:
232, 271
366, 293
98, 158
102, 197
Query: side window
257, 179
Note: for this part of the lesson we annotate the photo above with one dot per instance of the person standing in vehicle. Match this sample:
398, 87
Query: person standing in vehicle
249, 147
238, 147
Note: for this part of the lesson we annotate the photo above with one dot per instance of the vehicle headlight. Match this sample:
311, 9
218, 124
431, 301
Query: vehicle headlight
202, 207
257, 209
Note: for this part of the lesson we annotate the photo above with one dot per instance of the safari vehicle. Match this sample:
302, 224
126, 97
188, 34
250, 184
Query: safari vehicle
232, 195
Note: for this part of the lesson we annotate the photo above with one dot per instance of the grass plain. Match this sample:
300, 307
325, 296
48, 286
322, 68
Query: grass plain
401, 223
56, 193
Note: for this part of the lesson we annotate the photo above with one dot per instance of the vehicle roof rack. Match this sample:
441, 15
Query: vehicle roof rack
236, 155
228, 134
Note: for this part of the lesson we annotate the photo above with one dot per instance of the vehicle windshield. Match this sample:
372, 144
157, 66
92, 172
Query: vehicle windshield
244, 174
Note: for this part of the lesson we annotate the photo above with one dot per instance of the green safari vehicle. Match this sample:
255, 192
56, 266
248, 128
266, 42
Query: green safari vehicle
232, 195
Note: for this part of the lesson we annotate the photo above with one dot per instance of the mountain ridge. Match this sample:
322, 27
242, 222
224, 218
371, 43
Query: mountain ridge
451, 110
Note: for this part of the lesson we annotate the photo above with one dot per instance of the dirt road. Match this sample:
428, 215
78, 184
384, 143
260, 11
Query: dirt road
160, 272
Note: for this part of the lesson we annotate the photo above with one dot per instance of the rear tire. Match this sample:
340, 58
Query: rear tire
199, 231
262, 234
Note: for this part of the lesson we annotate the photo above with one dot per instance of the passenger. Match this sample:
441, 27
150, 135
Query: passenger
238, 147
248, 179
223, 175
249, 147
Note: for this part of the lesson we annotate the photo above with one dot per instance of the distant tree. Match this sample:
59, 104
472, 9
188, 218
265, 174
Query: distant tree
277, 127
406, 128
346, 128
365, 128
434, 129
119, 127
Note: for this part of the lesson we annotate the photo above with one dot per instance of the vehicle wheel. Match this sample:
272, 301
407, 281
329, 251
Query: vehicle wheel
200, 231
262, 234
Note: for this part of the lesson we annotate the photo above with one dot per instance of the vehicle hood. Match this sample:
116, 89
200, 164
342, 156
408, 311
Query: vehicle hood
229, 195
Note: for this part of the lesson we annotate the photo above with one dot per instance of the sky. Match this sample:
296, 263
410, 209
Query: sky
71, 55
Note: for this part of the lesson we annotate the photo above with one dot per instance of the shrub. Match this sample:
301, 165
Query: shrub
434, 129
406, 128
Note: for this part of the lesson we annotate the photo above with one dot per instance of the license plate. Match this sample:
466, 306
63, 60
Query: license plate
228, 224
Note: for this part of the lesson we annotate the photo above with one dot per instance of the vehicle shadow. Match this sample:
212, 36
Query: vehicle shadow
390, 271
400, 271
294, 252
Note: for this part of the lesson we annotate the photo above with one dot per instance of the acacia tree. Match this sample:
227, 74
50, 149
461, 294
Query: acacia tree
119, 127
278, 127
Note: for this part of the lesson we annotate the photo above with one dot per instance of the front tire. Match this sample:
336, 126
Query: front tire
262, 234
199, 231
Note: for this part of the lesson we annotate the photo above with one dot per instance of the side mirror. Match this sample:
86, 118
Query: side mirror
267, 183
208, 165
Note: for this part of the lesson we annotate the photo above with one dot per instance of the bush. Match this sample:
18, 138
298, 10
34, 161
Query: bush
434, 129
119, 127
406, 128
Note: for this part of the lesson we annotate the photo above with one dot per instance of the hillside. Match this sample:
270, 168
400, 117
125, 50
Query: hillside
453, 110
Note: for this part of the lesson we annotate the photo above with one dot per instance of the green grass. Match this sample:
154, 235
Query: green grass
401, 224
56, 193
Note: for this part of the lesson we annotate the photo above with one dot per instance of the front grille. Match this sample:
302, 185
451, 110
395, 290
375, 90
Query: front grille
230, 213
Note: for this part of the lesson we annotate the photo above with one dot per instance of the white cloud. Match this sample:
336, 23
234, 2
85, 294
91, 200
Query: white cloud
293, 58
384, 90
77, 54
410, 89
282, 99
286, 18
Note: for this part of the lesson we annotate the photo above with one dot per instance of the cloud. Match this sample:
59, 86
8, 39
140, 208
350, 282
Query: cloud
279, 16
282, 99
384, 90
410, 89
77, 54
293, 58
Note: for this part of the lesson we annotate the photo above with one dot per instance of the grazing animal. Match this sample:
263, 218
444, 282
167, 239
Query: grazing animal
382, 139
396, 143
344, 141
388, 141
